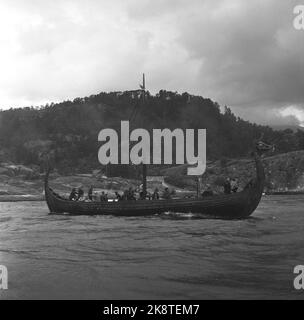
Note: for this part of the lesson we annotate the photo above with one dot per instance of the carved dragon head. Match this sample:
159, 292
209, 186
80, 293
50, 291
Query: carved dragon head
262, 147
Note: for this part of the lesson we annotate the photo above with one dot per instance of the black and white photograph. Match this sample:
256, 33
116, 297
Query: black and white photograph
151, 150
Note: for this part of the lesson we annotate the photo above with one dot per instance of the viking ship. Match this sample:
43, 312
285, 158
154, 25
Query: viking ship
235, 205
227, 206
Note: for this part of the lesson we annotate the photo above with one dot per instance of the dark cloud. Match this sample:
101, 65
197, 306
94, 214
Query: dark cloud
251, 53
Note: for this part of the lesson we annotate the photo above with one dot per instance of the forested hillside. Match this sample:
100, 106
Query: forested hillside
68, 131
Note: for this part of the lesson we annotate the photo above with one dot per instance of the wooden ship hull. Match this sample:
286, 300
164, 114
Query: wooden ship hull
238, 205
231, 206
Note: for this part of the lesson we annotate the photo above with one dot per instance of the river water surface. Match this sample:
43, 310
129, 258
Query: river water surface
171, 256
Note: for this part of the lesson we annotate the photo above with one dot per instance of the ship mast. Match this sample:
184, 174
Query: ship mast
144, 166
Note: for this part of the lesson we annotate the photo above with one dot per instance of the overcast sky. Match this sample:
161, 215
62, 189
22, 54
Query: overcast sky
244, 54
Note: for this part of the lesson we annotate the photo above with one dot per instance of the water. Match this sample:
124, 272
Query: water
160, 257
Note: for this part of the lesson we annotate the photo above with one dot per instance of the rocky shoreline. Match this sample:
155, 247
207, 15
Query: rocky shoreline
284, 173
20, 188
